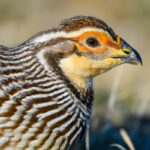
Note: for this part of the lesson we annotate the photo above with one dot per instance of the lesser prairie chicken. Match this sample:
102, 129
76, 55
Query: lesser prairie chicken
46, 83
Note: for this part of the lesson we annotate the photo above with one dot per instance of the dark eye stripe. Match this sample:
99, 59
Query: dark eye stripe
92, 42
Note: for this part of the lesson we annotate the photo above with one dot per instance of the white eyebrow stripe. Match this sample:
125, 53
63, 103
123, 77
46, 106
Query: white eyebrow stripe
53, 35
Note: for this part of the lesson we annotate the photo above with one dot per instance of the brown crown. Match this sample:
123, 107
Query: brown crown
77, 22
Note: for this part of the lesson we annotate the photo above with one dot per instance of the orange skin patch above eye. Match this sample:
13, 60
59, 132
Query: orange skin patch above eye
105, 42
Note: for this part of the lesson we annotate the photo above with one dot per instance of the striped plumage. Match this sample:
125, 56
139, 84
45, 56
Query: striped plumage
34, 100
41, 107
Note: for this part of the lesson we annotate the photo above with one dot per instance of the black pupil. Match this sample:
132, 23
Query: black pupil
92, 42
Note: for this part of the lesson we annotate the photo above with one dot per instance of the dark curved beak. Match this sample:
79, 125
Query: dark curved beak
132, 56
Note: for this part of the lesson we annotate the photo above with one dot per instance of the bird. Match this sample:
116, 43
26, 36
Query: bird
46, 83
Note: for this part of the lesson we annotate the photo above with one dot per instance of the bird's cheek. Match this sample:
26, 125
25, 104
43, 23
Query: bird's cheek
108, 64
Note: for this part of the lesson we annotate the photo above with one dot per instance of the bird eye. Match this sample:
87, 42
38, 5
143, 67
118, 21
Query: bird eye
92, 42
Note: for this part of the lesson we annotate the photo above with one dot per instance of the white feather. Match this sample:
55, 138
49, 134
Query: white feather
54, 35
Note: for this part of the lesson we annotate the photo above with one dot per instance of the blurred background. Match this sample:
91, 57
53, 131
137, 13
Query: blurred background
122, 96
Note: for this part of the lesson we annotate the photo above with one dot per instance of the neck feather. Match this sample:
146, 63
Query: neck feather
58, 58
74, 74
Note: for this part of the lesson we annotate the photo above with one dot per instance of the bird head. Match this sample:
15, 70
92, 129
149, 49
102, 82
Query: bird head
83, 47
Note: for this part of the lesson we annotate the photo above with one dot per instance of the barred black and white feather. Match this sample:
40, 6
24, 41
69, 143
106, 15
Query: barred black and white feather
40, 108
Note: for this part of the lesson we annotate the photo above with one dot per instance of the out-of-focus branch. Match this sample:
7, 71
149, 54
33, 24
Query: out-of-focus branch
126, 139
114, 90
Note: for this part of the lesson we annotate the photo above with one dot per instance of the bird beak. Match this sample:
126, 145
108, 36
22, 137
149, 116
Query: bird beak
130, 54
